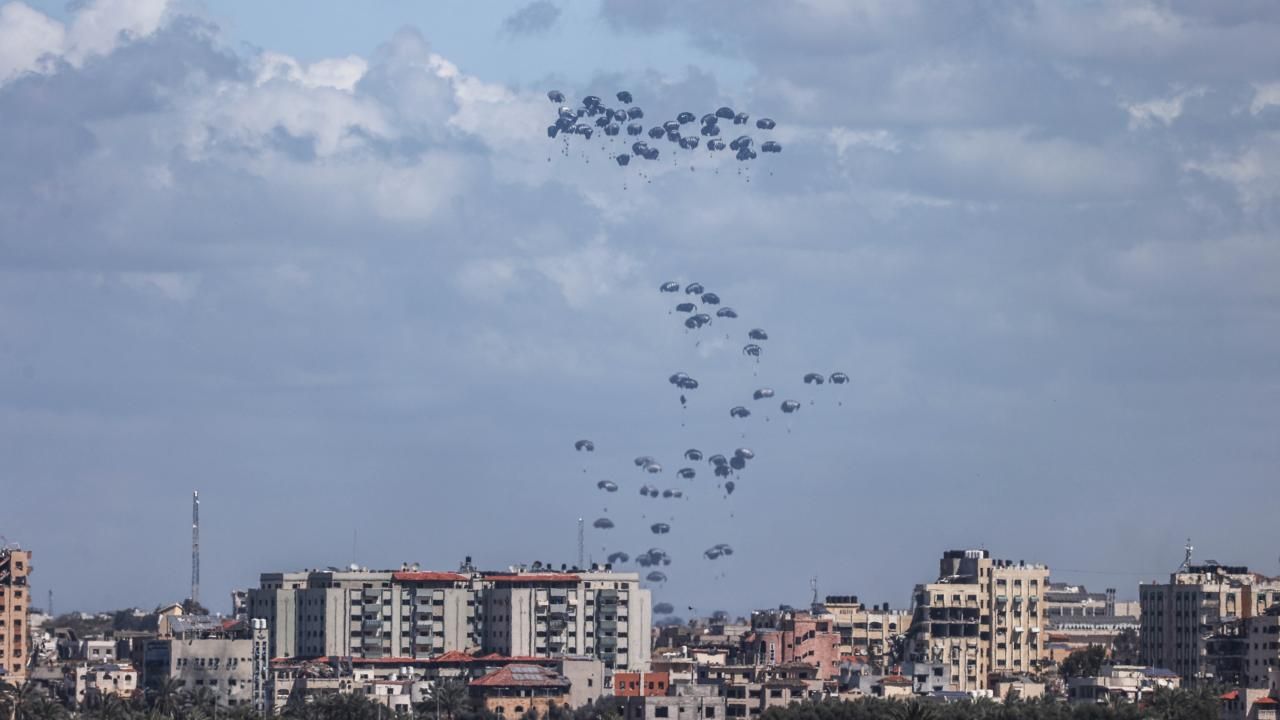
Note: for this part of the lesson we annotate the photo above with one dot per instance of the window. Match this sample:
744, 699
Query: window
660, 711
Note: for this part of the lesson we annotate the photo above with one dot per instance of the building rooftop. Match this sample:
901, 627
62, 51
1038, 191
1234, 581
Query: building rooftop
521, 675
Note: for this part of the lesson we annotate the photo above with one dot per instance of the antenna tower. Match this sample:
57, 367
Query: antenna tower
195, 547
582, 560
813, 585
51, 603
1186, 558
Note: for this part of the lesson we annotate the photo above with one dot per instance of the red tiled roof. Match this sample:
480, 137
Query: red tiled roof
520, 675
1266, 701
534, 577
428, 576
1233, 695
895, 680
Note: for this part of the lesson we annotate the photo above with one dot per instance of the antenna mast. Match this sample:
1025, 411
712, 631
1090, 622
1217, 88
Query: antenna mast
581, 546
813, 585
195, 548
1186, 558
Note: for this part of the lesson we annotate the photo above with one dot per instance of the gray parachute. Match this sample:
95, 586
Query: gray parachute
656, 576
710, 299
555, 96
686, 307
663, 608
584, 446
644, 461
758, 334
814, 379
694, 289
687, 473
739, 412
726, 312
697, 321
607, 486
790, 406
765, 124
693, 454
670, 285
603, 524
625, 97
660, 528
618, 557
838, 378
751, 350
762, 393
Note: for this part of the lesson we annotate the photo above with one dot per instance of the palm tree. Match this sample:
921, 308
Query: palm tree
164, 697
447, 697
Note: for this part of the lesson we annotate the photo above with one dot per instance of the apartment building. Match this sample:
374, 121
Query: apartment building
982, 617
785, 636
15, 611
230, 660
414, 614
545, 614
1191, 624
867, 635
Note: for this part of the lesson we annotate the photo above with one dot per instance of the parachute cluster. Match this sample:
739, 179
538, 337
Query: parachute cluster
701, 310
626, 137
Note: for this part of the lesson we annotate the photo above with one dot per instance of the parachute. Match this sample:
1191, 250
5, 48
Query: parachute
814, 379
751, 350
603, 524
726, 112
653, 468
670, 285
660, 528
686, 307
644, 461
758, 334
790, 406
697, 321
635, 113
663, 608
727, 312
729, 486
710, 299
693, 455
607, 486
765, 124
649, 491
694, 289
745, 453
838, 378
762, 393
656, 576
618, 557
623, 159
771, 146
555, 96
685, 118
740, 119
624, 97
668, 494
718, 460
737, 462
584, 445
687, 473
739, 412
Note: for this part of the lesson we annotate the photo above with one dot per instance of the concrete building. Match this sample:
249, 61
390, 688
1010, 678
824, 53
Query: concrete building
1189, 624
414, 614
15, 610
640, 684
981, 617
91, 682
232, 661
1262, 651
785, 636
867, 635
684, 702
1121, 683
513, 690
546, 614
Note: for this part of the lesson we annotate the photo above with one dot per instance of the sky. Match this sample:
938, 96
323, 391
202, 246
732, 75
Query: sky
324, 265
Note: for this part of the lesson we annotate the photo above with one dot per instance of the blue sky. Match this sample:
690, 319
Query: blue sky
324, 265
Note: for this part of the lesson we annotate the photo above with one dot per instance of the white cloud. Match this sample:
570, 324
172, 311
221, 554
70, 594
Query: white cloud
29, 40
338, 73
1265, 95
1162, 110
588, 274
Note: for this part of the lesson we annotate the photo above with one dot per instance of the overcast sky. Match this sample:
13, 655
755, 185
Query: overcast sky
323, 264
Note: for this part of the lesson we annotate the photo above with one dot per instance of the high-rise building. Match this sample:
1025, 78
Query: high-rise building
1191, 624
15, 611
413, 614
867, 634
981, 618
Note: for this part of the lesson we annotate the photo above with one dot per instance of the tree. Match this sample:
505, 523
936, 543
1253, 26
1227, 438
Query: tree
165, 697
1084, 663
1124, 648
447, 698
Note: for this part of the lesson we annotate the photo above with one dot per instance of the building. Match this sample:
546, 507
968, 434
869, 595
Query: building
1190, 624
784, 636
230, 659
414, 614
1121, 683
513, 690
981, 617
15, 610
867, 635
640, 684
91, 682
684, 702
544, 614
749, 690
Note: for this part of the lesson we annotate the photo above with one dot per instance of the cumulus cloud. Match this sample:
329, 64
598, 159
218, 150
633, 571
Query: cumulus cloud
1038, 240
536, 17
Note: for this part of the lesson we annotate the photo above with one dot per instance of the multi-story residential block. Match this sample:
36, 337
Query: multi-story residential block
867, 635
982, 617
414, 614
15, 610
785, 636
1120, 683
91, 682
230, 659
684, 702
1191, 624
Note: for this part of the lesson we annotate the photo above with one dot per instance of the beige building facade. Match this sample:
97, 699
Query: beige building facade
15, 612
983, 617
866, 634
